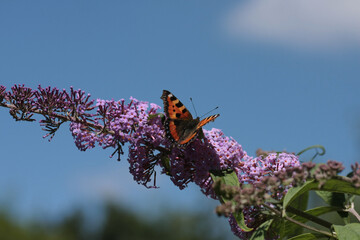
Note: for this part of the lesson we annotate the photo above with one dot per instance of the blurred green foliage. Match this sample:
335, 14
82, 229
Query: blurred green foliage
118, 223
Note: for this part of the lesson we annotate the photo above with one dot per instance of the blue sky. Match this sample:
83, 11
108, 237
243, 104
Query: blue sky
283, 80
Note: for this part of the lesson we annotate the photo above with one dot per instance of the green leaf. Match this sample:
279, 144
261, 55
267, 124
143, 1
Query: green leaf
229, 178
348, 232
332, 185
295, 192
240, 220
334, 199
165, 160
328, 198
318, 211
299, 203
280, 225
350, 174
307, 236
261, 232
340, 186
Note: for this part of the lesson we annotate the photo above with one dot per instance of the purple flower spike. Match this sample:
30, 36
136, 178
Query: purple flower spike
22, 98
194, 163
84, 138
253, 169
50, 100
2, 93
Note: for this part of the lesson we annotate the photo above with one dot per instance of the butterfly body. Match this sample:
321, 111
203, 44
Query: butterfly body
180, 127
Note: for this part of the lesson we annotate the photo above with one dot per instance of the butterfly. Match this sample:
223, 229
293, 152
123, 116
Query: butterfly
180, 127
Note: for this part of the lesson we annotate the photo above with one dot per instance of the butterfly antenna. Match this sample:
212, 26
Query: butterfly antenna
209, 111
193, 106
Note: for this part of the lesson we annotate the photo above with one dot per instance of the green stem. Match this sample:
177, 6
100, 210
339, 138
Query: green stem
352, 210
310, 217
277, 212
317, 153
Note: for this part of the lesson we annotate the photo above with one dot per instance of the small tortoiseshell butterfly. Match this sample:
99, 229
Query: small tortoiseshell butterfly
180, 126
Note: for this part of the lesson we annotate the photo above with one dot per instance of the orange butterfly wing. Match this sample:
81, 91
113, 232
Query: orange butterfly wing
198, 128
177, 115
174, 109
207, 120
180, 126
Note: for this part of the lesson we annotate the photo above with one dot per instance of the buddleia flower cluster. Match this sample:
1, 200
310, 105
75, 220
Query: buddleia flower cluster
137, 128
134, 124
253, 171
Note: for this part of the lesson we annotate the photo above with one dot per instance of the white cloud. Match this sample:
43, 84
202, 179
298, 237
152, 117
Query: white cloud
298, 23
